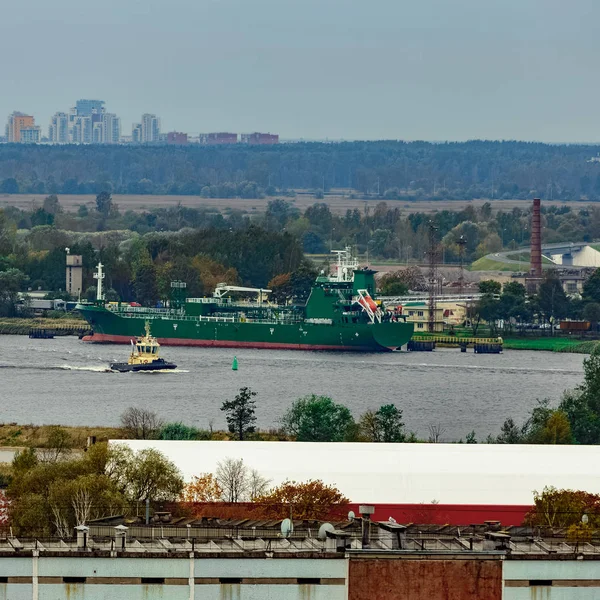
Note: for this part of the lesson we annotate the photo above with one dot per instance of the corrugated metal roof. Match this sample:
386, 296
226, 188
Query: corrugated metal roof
402, 473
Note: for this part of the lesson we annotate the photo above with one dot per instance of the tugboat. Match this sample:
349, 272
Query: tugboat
144, 356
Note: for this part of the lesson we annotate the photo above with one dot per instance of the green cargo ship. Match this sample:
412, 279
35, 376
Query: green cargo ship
340, 314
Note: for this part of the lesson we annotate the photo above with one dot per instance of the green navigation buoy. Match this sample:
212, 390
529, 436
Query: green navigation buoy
234, 364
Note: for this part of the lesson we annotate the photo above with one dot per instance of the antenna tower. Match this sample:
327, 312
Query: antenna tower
432, 252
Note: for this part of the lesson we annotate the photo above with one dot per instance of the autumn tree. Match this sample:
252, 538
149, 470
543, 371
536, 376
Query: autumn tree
203, 488
312, 499
563, 508
240, 413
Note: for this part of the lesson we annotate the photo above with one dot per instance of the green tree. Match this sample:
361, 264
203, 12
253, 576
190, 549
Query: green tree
489, 286
591, 312
551, 297
317, 419
9, 186
11, 282
510, 433
150, 475
104, 203
178, 431
591, 287
383, 425
240, 413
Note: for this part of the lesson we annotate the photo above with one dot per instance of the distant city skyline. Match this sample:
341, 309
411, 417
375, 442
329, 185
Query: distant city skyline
88, 122
316, 69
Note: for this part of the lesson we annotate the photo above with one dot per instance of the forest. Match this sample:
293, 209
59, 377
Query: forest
383, 169
143, 252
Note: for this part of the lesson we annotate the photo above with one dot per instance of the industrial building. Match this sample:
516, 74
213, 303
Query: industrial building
252, 560
495, 478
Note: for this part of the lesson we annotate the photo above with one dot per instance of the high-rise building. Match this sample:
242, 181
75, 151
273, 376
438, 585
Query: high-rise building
111, 128
85, 121
18, 121
82, 130
58, 132
150, 129
31, 135
136, 133
86, 108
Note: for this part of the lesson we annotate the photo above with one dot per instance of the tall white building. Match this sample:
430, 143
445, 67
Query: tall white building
58, 132
150, 129
111, 129
136, 133
31, 135
81, 130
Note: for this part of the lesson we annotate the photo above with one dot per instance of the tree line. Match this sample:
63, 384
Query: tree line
388, 169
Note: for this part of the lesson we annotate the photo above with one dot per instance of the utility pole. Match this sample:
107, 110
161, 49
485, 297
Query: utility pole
462, 242
432, 252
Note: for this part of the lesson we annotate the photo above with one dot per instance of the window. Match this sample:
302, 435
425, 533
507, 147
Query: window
411, 313
230, 580
540, 582
420, 313
153, 580
3, 579
419, 325
309, 581
74, 579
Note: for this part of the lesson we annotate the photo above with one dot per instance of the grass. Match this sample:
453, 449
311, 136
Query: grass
36, 436
551, 344
487, 264
64, 326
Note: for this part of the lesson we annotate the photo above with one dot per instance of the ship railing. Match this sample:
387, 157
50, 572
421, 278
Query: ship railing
141, 309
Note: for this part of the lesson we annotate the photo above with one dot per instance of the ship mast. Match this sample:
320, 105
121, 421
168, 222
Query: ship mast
99, 276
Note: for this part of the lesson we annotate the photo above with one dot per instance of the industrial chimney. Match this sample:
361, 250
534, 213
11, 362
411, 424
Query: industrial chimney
536, 240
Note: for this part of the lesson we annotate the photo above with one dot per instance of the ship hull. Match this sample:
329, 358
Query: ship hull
113, 327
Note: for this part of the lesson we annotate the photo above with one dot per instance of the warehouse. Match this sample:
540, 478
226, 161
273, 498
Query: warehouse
485, 474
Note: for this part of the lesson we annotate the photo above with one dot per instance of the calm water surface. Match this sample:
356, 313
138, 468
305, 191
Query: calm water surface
64, 381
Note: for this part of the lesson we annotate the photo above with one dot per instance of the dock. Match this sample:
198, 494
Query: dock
428, 343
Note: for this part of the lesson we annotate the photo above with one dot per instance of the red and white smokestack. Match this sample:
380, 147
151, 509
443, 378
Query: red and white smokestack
536, 240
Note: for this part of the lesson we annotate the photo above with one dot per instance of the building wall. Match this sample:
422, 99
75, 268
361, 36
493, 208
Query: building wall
399, 578
569, 579
121, 577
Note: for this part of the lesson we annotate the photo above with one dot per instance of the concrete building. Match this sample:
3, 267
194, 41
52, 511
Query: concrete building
259, 139
81, 130
31, 135
58, 132
110, 128
217, 139
177, 138
358, 560
136, 133
150, 125
18, 121
74, 274
86, 108
418, 313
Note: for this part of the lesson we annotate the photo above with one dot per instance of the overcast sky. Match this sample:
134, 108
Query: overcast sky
314, 69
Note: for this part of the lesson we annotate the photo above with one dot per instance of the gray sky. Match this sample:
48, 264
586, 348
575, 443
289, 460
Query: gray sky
316, 69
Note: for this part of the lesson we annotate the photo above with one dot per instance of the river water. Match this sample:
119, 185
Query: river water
64, 381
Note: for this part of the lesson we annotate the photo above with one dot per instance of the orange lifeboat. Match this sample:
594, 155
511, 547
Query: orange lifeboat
366, 301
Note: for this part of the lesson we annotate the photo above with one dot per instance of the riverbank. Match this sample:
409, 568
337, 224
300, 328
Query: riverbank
551, 344
64, 326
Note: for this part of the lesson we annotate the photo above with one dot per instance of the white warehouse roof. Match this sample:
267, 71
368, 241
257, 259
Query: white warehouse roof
401, 473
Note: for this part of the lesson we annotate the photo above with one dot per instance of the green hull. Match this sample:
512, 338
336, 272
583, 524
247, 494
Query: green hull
178, 330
